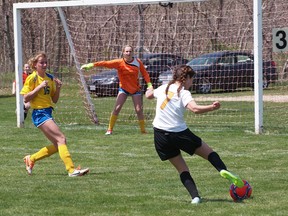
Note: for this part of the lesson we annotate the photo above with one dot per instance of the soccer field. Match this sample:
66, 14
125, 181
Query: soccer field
127, 177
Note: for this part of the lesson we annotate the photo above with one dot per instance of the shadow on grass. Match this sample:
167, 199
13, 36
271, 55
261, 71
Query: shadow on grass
7, 96
206, 200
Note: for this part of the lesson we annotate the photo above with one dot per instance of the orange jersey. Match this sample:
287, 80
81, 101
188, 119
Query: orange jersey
128, 73
24, 76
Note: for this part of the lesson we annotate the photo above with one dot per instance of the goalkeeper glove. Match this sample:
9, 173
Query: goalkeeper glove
87, 66
149, 85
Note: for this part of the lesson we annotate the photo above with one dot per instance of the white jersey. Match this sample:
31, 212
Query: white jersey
170, 112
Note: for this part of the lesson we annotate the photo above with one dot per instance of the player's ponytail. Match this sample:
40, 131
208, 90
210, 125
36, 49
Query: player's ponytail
180, 74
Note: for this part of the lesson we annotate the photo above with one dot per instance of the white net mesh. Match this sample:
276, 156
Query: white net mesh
187, 30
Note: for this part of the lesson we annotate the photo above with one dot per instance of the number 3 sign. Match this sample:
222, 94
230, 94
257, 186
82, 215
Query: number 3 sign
280, 39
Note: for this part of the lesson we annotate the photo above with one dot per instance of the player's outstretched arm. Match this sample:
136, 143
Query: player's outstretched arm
87, 66
198, 109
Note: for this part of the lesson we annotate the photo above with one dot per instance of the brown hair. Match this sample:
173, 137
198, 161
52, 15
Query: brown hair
32, 61
180, 73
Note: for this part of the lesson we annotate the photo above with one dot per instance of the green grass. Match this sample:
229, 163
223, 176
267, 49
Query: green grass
128, 178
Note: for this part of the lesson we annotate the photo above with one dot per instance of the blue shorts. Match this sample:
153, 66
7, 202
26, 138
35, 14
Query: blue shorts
40, 116
121, 90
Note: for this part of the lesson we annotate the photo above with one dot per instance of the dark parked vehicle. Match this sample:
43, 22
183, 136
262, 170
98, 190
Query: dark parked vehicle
227, 70
156, 63
106, 82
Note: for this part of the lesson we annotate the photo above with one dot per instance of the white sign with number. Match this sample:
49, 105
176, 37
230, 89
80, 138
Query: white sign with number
280, 39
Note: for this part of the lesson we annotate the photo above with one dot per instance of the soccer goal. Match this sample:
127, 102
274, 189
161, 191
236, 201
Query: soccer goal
77, 32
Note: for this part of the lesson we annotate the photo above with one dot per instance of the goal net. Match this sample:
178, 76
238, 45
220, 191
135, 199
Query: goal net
186, 30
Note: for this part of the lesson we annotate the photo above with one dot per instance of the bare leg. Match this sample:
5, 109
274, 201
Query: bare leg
185, 177
53, 133
120, 100
26, 109
204, 150
138, 106
207, 153
179, 163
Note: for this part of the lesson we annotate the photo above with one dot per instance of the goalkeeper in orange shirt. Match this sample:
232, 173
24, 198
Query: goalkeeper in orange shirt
128, 69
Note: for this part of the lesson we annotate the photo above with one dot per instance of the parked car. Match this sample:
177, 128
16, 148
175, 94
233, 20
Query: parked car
226, 70
156, 63
106, 82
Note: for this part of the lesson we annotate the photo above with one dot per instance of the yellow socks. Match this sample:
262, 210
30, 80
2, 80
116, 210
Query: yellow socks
142, 126
44, 152
113, 119
49, 150
66, 157
112, 122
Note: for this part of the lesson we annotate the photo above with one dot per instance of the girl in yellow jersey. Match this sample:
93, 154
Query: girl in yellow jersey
42, 90
128, 69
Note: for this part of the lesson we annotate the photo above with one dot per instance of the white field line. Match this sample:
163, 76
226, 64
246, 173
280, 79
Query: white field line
268, 98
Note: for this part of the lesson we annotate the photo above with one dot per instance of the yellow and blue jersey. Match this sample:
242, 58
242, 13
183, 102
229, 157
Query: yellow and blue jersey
44, 97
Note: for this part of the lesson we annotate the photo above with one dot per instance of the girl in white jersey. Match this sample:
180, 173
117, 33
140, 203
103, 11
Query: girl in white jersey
172, 135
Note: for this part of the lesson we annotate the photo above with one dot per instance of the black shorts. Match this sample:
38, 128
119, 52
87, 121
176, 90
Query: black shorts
169, 144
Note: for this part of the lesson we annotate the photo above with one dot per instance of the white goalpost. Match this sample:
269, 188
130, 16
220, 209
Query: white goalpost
92, 34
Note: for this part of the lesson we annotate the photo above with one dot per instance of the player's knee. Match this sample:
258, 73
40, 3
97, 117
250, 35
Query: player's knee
138, 110
61, 139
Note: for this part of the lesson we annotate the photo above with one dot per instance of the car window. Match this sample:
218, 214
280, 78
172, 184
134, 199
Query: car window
169, 61
226, 60
203, 61
179, 61
163, 60
160, 61
243, 58
154, 61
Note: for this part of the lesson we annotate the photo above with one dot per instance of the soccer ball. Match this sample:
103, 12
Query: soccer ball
239, 194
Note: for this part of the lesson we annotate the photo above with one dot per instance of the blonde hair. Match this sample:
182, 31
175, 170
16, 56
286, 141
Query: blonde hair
123, 49
32, 61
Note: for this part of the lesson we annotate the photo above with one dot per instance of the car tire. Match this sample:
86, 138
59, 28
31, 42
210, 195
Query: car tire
203, 86
265, 82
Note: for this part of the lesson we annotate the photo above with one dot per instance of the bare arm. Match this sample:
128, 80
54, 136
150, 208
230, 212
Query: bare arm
198, 109
28, 97
57, 92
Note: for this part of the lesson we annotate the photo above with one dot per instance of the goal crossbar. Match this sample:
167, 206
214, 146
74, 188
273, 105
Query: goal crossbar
93, 2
